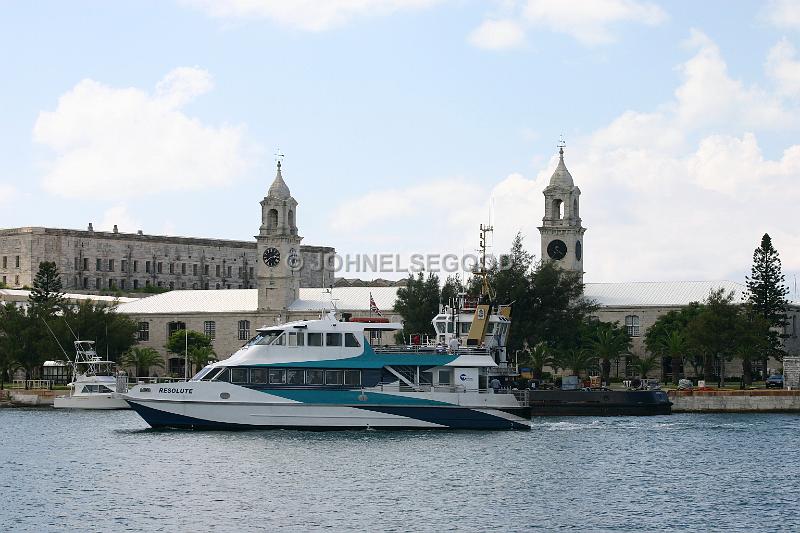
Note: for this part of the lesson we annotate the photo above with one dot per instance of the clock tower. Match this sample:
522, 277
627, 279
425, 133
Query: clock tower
561, 230
278, 249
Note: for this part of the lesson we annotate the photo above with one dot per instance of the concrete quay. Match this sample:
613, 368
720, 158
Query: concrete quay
735, 401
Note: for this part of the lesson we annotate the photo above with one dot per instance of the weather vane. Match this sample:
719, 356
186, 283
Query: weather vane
278, 156
561, 143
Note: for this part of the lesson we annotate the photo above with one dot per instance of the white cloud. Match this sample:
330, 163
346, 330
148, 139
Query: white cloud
783, 68
667, 194
7, 193
309, 15
783, 14
498, 35
591, 21
120, 142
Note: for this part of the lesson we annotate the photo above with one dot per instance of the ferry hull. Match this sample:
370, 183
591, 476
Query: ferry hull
325, 417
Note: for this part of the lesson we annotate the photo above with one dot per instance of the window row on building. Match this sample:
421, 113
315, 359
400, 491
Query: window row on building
159, 267
5, 262
134, 284
16, 280
209, 329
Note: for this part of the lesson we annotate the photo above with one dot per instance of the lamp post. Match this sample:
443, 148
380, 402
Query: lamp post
186, 360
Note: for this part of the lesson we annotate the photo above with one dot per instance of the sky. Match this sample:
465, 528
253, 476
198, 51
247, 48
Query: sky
406, 123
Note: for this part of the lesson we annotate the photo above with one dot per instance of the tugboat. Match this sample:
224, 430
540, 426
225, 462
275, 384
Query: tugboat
94, 384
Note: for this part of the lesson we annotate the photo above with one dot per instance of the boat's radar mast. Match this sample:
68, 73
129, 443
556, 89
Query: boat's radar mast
481, 270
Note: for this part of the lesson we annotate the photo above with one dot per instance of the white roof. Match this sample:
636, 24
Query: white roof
633, 294
24, 293
246, 300
658, 293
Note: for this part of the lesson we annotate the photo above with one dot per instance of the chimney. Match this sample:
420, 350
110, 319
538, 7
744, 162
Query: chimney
115, 229
90, 227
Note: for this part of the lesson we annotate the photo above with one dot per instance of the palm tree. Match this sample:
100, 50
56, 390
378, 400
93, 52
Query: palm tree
576, 359
608, 344
537, 358
644, 365
675, 346
141, 359
200, 356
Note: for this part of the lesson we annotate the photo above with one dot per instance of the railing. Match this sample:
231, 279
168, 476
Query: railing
521, 395
411, 349
32, 384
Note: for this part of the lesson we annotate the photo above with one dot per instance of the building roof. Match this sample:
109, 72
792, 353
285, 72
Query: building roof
632, 294
246, 301
658, 293
279, 189
561, 176
16, 294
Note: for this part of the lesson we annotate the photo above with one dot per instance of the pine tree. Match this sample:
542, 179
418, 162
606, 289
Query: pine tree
47, 295
767, 293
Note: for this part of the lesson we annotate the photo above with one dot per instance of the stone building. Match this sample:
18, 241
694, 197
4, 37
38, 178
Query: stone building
97, 261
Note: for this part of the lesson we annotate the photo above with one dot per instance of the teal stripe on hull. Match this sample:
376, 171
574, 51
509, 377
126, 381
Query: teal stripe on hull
350, 397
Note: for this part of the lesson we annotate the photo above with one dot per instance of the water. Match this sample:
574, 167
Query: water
105, 471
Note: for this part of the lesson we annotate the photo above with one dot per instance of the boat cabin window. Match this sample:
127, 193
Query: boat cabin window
333, 339
444, 377
465, 327
265, 337
277, 376
315, 339
225, 375
295, 377
490, 328
440, 326
95, 388
449, 327
258, 375
352, 378
315, 377
103, 388
238, 375
334, 377
211, 374
351, 341
296, 338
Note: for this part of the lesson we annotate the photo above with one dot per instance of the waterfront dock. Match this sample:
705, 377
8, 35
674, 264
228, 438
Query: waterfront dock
735, 401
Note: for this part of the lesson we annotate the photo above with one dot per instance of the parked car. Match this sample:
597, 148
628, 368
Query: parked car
775, 381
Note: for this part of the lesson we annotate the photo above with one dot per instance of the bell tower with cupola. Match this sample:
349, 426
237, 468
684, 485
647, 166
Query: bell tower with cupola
561, 230
278, 248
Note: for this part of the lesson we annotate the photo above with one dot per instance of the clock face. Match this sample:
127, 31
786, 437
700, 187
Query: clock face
578, 250
271, 257
557, 249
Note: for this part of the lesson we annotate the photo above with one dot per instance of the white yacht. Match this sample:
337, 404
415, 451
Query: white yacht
94, 384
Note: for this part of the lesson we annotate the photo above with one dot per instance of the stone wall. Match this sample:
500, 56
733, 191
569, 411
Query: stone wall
95, 261
763, 401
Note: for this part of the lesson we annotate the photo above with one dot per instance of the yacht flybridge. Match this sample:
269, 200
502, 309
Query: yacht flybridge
94, 383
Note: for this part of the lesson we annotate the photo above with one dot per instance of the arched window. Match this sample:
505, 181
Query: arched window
557, 206
575, 208
632, 325
291, 219
272, 219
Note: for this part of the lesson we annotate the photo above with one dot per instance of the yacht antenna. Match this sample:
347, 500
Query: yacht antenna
70, 329
56, 339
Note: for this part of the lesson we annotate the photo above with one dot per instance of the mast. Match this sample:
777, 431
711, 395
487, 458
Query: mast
482, 271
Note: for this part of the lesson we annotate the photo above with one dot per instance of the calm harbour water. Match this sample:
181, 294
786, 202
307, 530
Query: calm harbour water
104, 471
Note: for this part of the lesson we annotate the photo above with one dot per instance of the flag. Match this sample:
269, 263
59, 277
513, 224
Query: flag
373, 308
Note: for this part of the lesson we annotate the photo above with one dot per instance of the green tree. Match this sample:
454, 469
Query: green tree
675, 347
418, 303
644, 365
178, 341
113, 332
200, 356
453, 286
715, 331
47, 295
142, 359
767, 294
607, 341
753, 340
537, 358
12, 343
575, 359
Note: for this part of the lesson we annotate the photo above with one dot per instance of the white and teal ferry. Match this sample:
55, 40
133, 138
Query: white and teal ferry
324, 374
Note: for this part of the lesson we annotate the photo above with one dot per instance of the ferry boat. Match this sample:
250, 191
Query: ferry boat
324, 374
94, 384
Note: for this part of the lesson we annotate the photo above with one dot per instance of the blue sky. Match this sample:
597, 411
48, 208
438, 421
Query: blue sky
404, 121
